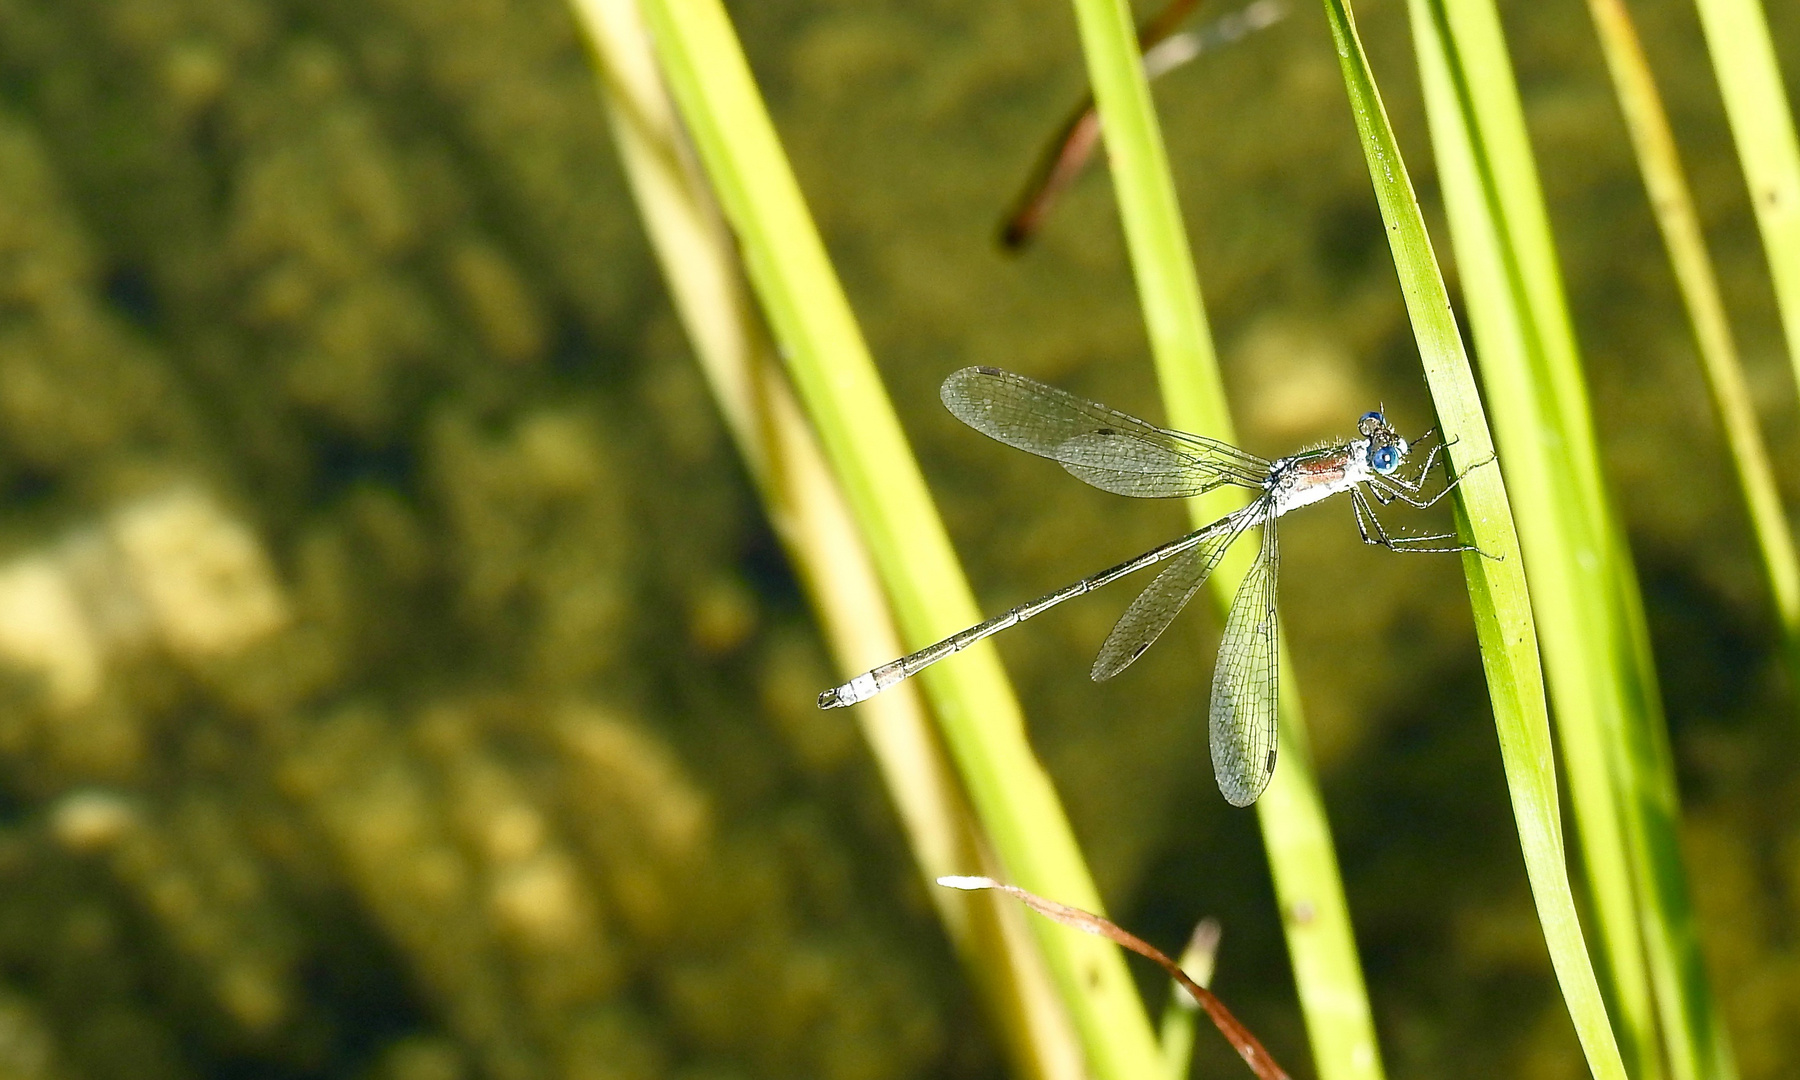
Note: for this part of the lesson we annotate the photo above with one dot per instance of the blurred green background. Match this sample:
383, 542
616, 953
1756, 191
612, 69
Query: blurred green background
400, 680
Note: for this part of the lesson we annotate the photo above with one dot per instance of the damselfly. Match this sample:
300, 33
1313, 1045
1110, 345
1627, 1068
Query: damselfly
1127, 456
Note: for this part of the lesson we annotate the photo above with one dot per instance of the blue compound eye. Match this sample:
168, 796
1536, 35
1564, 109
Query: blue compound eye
1368, 416
1384, 459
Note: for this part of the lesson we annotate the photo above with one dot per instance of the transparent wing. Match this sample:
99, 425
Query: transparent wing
1156, 607
1104, 447
1243, 711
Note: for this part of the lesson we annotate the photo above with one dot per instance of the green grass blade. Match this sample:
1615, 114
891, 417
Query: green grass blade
1497, 586
1756, 104
1676, 216
1322, 948
706, 283
1566, 557
1673, 203
862, 440
1584, 588
1168, 288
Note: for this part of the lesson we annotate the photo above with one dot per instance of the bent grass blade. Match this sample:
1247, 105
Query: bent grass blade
1261, 1062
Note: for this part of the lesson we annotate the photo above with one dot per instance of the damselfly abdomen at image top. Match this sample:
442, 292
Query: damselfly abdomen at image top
1127, 456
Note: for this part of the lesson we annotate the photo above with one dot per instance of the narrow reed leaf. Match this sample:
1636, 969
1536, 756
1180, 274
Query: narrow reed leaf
1673, 203
1762, 124
705, 278
1327, 972
831, 368
1565, 549
1497, 586
1583, 585
1239, 1036
1705, 1051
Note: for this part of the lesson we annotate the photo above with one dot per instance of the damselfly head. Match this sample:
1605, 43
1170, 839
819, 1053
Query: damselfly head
1385, 448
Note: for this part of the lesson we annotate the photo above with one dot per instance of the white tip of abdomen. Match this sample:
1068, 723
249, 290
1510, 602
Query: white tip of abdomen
863, 686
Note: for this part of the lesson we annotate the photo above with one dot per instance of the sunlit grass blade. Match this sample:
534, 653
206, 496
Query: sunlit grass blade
1762, 124
1584, 588
1497, 586
831, 368
1327, 972
1567, 550
1673, 203
706, 282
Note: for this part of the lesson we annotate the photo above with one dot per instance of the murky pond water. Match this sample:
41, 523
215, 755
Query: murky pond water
401, 680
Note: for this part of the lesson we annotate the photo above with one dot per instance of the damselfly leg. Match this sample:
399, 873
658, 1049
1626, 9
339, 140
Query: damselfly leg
1374, 532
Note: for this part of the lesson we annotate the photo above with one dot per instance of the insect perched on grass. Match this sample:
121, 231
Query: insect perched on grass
1126, 456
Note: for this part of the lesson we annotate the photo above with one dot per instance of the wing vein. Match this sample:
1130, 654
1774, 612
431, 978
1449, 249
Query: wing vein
1111, 450
1243, 716
1156, 607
